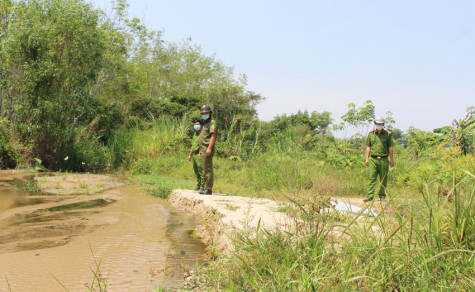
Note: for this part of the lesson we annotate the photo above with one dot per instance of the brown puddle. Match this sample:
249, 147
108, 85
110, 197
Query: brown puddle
139, 242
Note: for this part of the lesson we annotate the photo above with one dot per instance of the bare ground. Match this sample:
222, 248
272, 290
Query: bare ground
222, 215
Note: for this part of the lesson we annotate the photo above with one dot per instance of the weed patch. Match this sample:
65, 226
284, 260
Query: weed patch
161, 186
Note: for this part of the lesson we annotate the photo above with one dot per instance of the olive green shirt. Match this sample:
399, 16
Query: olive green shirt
195, 144
380, 143
205, 136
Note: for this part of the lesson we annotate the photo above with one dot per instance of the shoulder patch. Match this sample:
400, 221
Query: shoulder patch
213, 126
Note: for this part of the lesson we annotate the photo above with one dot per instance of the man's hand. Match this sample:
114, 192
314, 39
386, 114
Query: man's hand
208, 152
189, 158
368, 153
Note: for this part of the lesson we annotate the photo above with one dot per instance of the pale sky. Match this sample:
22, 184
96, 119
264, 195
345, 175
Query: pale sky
413, 58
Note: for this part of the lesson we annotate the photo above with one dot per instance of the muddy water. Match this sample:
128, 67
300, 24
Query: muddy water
135, 241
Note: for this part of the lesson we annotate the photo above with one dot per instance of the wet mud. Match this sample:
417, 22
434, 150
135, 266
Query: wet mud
120, 237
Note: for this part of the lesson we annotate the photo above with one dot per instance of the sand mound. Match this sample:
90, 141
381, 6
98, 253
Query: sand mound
223, 215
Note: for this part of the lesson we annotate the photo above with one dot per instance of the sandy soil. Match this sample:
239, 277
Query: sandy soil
77, 184
222, 215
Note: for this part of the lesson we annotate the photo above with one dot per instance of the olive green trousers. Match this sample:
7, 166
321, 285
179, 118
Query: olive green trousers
207, 162
196, 160
378, 167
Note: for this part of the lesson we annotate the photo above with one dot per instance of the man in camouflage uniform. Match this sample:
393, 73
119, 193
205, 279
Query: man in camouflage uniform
207, 141
379, 145
195, 157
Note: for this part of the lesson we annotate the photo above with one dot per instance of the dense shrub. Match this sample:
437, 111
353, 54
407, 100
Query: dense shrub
8, 155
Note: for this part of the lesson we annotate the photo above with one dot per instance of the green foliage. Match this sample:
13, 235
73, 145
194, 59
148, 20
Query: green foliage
389, 120
86, 154
59, 46
8, 155
422, 243
68, 70
160, 186
318, 122
420, 142
361, 117
462, 132
148, 108
300, 131
397, 135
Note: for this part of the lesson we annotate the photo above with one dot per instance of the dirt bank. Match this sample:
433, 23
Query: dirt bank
222, 215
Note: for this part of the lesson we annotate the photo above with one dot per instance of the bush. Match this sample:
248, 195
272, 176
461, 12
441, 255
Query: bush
86, 154
8, 155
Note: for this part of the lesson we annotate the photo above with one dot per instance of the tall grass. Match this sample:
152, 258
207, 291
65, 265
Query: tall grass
162, 149
166, 135
283, 168
419, 248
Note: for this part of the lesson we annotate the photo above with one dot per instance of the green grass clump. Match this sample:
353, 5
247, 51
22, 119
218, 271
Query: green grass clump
231, 207
161, 186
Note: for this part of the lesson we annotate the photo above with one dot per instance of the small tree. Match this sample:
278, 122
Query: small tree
360, 118
419, 142
462, 132
389, 120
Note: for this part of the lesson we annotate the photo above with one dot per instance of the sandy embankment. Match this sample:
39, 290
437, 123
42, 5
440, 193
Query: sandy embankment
77, 184
223, 215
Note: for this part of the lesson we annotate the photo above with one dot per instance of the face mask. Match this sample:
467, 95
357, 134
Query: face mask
205, 117
197, 127
379, 127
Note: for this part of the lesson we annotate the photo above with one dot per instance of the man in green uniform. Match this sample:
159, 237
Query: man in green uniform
379, 145
195, 157
207, 141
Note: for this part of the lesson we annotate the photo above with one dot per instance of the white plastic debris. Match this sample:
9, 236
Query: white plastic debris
342, 206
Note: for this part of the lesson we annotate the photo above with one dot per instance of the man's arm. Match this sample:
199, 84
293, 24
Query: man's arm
191, 153
368, 152
391, 157
211, 144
